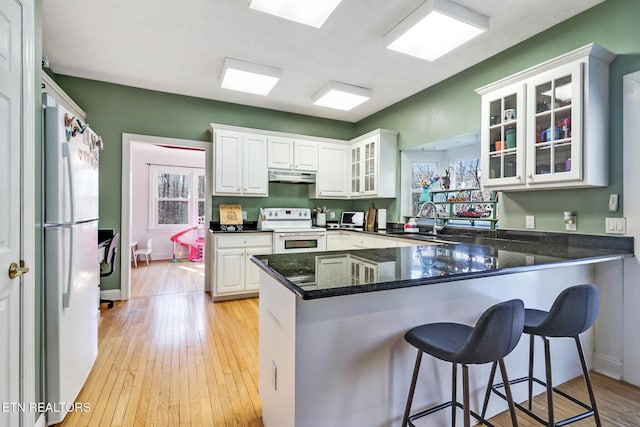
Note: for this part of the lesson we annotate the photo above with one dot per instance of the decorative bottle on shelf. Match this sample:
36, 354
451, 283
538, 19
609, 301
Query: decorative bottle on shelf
424, 197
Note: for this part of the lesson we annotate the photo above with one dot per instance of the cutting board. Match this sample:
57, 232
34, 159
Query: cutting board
371, 219
230, 214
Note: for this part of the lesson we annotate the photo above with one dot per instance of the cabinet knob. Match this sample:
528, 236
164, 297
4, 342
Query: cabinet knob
530, 177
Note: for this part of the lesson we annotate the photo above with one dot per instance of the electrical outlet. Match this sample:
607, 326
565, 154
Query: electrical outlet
530, 222
615, 225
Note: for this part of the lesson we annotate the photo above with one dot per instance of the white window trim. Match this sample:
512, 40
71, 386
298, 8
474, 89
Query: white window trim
192, 199
407, 158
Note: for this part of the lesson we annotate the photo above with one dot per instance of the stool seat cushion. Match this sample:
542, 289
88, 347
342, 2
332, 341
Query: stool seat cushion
494, 335
532, 319
441, 340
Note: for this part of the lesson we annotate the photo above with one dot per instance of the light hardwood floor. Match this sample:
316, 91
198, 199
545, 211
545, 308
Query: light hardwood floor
178, 359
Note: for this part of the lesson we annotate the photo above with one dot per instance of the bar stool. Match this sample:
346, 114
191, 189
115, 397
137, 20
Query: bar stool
495, 335
573, 312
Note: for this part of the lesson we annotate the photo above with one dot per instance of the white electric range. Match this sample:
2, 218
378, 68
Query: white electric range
292, 230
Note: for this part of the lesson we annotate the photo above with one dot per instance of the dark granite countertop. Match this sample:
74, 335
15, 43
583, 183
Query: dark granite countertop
326, 274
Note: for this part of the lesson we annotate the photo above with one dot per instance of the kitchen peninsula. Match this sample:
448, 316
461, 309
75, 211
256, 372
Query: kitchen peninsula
331, 324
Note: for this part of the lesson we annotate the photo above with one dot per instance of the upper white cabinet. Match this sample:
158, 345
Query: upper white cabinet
547, 126
364, 167
240, 164
503, 164
369, 175
292, 154
332, 177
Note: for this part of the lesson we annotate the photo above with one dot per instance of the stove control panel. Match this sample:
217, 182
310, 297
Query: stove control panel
276, 218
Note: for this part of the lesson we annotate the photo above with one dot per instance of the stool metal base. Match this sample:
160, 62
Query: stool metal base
454, 404
537, 417
444, 406
590, 410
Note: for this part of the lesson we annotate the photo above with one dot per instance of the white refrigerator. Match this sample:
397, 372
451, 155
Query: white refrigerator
72, 272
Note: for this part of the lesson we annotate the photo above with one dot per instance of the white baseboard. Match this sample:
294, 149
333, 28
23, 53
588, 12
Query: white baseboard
607, 365
111, 294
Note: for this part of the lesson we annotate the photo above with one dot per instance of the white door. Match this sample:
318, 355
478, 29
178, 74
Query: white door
255, 179
230, 275
10, 162
306, 156
332, 176
280, 153
252, 279
228, 162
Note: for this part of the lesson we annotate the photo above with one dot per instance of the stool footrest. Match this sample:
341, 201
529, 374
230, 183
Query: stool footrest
443, 406
541, 420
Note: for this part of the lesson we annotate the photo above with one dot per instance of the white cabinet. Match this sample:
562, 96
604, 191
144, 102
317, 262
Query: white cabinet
362, 241
240, 164
334, 270
292, 154
337, 241
331, 180
234, 274
547, 127
369, 176
503, 110
305, 156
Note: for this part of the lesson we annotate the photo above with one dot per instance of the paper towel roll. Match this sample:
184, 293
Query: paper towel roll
382, 219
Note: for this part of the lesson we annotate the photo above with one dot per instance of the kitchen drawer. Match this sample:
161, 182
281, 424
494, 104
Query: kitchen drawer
361, 241
243, 240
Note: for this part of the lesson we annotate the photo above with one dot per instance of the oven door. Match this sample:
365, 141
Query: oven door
298, 242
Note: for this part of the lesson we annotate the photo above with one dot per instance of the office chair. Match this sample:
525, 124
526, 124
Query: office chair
109, 261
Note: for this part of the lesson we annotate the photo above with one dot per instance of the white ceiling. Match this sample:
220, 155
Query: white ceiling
179, 47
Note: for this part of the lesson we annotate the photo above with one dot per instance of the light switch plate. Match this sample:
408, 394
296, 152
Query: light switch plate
530, 222
615, 225
613, 202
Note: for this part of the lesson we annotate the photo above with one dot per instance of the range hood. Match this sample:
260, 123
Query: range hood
292, 177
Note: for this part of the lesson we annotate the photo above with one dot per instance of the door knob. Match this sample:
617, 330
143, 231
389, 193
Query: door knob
15, 271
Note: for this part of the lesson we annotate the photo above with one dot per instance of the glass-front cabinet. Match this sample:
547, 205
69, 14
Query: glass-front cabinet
363, 168
373, 165
555, 107
503, 134
356, 165
547, 126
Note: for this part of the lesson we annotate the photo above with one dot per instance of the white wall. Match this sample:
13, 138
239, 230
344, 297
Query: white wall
141, 155
631, 209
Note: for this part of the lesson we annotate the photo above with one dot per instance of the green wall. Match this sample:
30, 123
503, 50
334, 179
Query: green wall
114, 109
452, 107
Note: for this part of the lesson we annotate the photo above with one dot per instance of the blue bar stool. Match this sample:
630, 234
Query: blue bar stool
573, 312
495, 335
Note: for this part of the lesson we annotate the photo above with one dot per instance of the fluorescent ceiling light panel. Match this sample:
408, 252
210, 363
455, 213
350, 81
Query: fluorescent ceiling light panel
248, 77
341, 96
435, 28
308, 12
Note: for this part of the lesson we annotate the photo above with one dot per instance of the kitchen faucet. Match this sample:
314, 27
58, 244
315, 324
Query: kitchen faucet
434, 211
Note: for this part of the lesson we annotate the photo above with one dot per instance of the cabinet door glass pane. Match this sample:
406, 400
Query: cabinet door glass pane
503, 137
355, 170
553, 126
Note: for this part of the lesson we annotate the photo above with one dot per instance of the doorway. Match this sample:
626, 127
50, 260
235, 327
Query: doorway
154, 214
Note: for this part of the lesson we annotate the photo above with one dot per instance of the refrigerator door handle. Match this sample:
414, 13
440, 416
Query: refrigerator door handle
66, 297
66, 153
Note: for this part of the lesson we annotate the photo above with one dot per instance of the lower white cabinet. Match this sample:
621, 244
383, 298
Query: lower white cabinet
234, 275
346, 240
